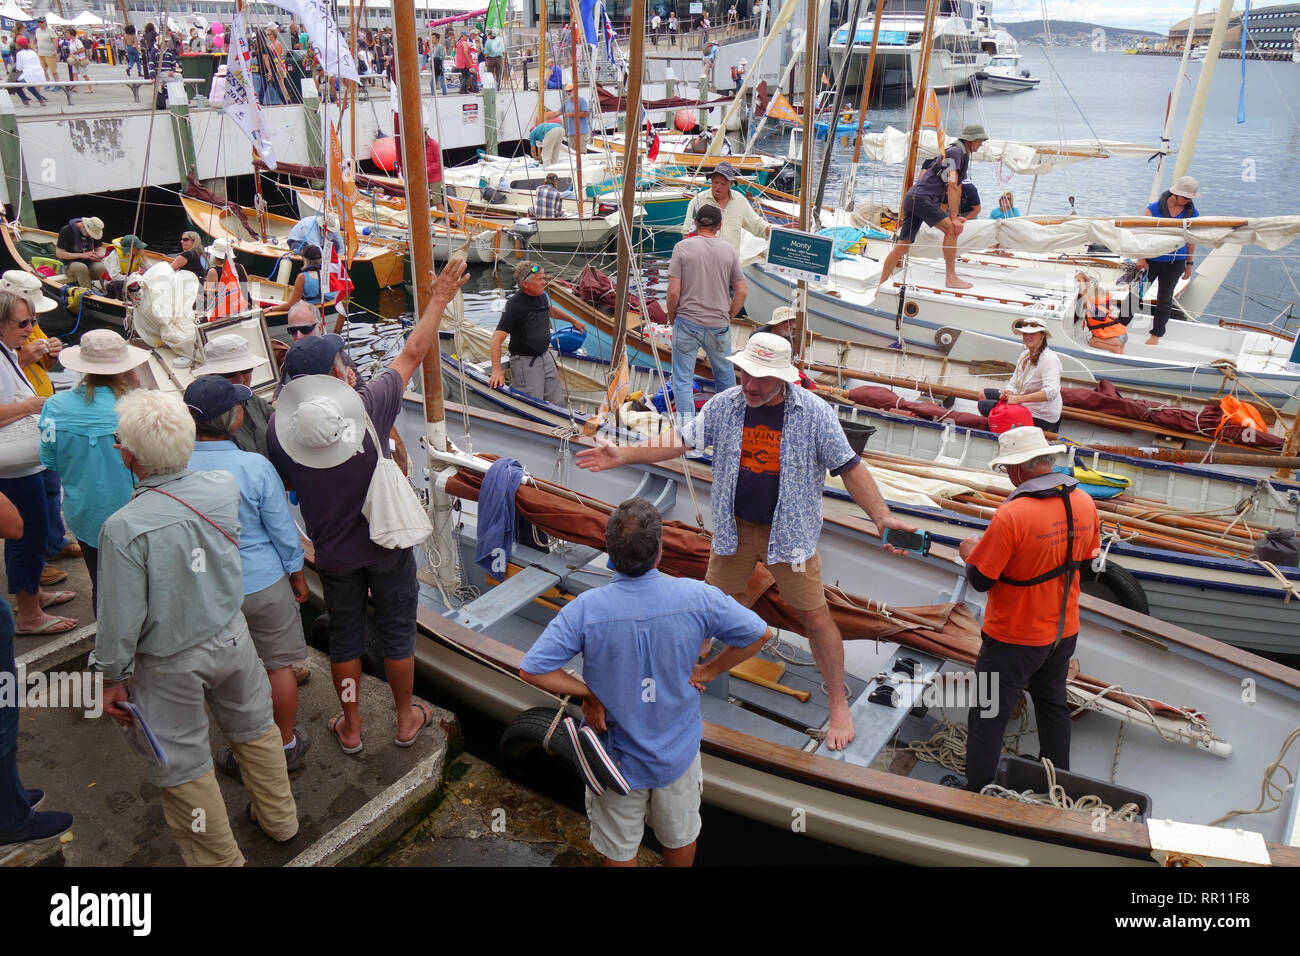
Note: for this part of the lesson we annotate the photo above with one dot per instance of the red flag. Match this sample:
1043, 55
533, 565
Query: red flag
652, 153
230, 296
338, 275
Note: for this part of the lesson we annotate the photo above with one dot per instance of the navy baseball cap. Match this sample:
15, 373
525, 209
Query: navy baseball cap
211, 395
313, 355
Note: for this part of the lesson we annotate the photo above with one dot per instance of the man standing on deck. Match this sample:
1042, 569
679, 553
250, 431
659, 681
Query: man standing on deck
772, 446
943, 177
47, 49
320, 444
1028, 559
526, 321
706, 290
643, 629
494, 54
173, 627
737, 214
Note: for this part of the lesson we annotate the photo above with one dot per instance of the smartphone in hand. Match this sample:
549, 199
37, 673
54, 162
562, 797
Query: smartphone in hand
918, 542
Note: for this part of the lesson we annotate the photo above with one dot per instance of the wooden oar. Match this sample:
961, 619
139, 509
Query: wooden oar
802, 695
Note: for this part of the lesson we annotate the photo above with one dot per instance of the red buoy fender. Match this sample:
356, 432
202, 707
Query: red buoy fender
383, 153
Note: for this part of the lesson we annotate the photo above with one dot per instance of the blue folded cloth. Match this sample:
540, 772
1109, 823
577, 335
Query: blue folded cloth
496, 516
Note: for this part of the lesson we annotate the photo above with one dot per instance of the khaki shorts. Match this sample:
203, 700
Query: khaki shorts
276, 626
730, 573
618, 823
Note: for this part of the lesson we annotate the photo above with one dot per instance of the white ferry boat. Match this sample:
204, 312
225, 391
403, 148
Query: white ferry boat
963, 43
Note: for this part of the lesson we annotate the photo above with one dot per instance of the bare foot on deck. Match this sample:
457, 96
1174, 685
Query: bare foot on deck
1153, 341
840, 732
954, 283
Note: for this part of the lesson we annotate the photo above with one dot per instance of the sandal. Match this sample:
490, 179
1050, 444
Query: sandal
54, 625
334, 729
55, 598
427, 713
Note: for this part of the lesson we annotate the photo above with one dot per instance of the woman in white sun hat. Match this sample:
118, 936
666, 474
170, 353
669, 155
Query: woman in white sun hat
1165, 271
79, 425
1036, 382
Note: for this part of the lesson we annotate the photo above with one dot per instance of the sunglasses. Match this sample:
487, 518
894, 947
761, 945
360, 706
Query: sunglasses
186, 239
297, 330
26, 323
533, 270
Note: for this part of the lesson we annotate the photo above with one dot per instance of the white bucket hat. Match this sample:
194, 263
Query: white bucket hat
220, 249
228, 353
1019, 445
767, 356
1028, 324
319, 421
1187, 187
784, 314
29, 287
102, 352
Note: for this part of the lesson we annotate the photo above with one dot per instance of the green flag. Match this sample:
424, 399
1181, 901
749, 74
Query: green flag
496, 15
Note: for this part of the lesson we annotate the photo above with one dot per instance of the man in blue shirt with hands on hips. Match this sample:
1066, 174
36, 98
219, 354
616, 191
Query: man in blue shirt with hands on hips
639, 636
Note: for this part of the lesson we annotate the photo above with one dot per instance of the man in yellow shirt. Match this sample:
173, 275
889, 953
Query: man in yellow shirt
737, 214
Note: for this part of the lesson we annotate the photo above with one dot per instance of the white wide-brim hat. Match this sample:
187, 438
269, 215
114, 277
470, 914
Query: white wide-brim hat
102, 352
1019, 445
225, 354
767, 356
783, 314
29, 288
319, 421
1025, 324
1187, 187
220, 249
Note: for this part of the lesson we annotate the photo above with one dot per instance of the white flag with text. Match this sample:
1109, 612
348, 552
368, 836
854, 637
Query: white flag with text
240, 100
334, 52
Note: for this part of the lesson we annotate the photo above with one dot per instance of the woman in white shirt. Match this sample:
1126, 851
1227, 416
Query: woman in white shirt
78, 61
30, 71
20, 478
1036, 382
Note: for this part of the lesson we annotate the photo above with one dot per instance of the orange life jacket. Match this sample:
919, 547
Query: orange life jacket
1102, 318
1237, 412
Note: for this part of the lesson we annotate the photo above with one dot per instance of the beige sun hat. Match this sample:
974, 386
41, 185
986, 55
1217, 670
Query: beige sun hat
1019, 445
1187, 187
94, 226
220, 249
320, 421
27, 286
102, 352
228, 353
767, 356
1030, 323
784, 314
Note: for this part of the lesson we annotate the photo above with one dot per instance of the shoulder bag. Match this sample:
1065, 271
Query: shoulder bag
397, 519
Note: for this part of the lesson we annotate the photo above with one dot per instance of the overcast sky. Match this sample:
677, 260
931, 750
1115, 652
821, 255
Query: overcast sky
1155, 15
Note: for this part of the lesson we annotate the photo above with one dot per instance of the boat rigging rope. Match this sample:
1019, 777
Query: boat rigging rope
1057, 797
148, 145
1269, 789
1291, 590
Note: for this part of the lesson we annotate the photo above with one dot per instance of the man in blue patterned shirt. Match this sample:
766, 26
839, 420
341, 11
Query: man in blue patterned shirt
550, 201
772, 447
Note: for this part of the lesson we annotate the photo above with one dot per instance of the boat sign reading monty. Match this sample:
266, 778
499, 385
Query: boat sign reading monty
799, 255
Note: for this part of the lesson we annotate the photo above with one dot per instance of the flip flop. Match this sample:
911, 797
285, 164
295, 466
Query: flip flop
333, 727
58, 597
428, 719
55, 625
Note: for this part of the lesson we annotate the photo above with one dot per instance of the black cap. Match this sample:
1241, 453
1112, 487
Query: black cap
313, 355
311, 252
211, 395
709, 215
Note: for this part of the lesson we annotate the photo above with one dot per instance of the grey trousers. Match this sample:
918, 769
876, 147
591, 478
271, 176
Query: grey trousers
538, 376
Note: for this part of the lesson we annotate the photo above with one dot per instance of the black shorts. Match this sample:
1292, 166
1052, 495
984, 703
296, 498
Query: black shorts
917, 210
395, 590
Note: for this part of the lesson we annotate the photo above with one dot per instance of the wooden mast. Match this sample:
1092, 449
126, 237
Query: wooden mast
867, 81
260, 205
574, 27
805, 197
631, 154
918, 107
542, 71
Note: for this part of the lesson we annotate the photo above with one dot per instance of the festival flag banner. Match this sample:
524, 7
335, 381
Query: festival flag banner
932, 118
323, 31
230, 295
496, 15
587, 17
781, 109
240, 102
344, 195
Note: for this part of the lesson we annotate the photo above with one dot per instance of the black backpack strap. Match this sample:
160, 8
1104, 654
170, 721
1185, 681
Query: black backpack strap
1067, 567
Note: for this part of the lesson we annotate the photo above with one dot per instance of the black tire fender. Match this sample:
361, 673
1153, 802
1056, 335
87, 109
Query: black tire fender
1116, 584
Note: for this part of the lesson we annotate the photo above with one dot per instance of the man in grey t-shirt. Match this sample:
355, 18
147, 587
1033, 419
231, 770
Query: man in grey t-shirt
706, 290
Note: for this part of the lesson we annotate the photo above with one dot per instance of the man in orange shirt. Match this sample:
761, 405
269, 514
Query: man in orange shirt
1028, 559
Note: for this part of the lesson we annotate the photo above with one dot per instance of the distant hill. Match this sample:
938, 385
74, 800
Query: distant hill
1031, 31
